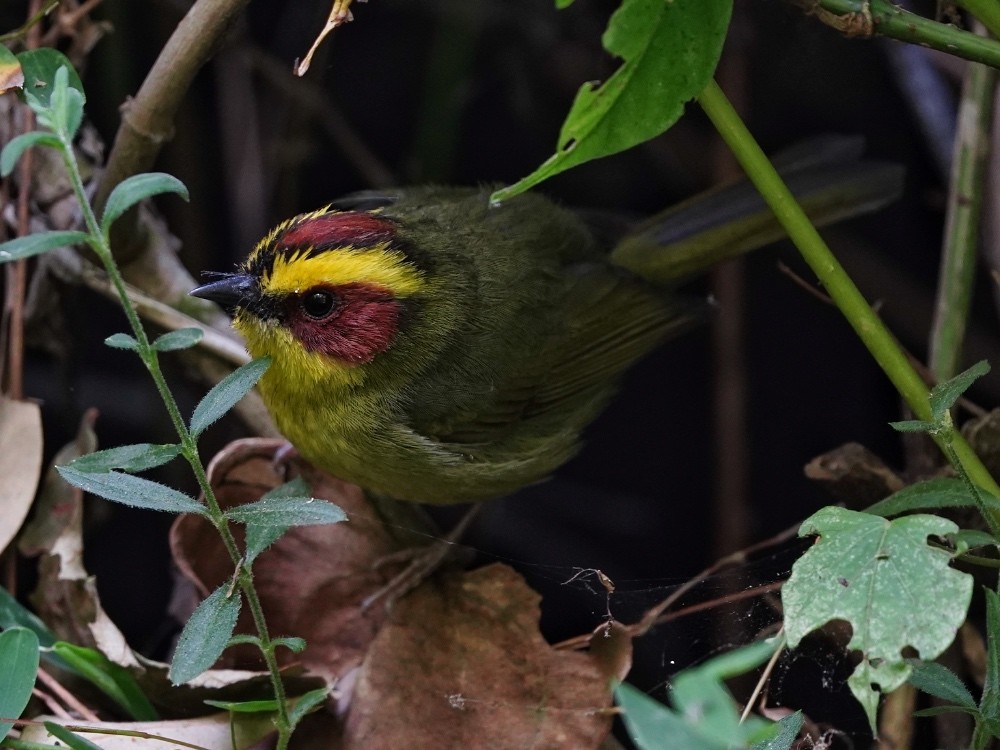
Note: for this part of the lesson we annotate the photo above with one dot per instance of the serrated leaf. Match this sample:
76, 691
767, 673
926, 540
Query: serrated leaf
36, 244
989, 703
669, 51
205, 635
182, 338
130, 458
17, 146
788, 731
287, 512
913, 425
122, 341
937, 680
130, 490
40, 66
113, 680
883, 578
72, 739
944, 395
934, 494
227, 393
137, 188
18, 667
306, 703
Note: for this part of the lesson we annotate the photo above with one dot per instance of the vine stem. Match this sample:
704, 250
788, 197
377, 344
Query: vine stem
189, 448
869, 327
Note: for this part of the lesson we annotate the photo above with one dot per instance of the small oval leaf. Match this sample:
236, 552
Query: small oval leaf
182, 338
40, 66
136, 188
36, 244
130, 458
129, 490
17, 146
122, 341
205, 635
226, 393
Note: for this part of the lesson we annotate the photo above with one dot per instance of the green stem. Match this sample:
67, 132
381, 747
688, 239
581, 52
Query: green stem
869, 327
961, 237
987, 11
189, 446
869, 17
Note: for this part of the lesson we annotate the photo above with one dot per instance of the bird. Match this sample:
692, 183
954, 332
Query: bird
431, 346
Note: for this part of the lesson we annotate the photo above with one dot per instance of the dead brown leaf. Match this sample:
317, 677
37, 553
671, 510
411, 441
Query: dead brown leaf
20, 463
461, 664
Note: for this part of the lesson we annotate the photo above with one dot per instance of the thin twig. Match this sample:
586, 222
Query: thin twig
70, 700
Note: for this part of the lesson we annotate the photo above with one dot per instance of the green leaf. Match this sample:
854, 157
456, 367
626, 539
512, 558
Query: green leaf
130, 458
937, 680
965, 539
913, 425
36, 244
137, 188
17, 146
883, 578
669, 52
938, 710
561, 4
245, 707
989, 704
788, 731
205, 635
306, 703
293, 644
933, 494
944, 395
286, 512
649, 723
72, 739
130, 490
18, 668
182, 338
14, 615
226, 393
111, 679
122, 341
261, 536
66, 105
40, 66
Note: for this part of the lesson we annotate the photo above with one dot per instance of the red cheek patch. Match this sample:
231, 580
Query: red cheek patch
363, 323
329, 230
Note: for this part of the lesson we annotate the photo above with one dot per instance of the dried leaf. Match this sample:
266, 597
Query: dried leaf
462, 661
20, 463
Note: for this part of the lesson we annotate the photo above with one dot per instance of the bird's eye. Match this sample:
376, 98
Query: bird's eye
318, 303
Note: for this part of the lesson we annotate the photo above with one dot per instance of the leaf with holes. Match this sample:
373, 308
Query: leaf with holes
884, 579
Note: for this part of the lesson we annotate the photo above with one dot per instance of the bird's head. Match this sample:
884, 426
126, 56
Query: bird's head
324, 292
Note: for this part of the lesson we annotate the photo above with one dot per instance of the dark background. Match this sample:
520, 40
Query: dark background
470, 92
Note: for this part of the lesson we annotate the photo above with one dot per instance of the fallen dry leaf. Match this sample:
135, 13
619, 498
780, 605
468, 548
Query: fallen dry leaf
461, 663
20, 463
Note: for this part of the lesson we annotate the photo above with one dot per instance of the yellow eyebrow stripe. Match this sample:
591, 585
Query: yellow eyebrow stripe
299, 271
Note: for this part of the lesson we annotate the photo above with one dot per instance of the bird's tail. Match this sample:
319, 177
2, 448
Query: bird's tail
827, 175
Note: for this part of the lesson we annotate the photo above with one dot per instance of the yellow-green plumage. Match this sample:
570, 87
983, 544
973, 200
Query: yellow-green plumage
474, 342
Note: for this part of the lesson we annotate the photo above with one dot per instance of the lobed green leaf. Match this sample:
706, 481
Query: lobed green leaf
137, 188
944, 395
182, 338
226, 393
130, 458
36, 244
129, 490
112, 679
17, 146
18, 668
205, 635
